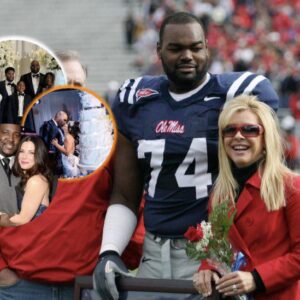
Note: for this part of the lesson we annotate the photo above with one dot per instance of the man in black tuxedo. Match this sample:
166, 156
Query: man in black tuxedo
7, 88
33, 80
15, 107
52, 130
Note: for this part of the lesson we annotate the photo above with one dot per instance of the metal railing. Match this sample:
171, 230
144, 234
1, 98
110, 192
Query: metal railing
134, 288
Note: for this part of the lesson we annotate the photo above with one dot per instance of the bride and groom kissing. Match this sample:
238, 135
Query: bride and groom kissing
59, 137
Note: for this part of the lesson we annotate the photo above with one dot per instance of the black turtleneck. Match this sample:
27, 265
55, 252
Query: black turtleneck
241, 175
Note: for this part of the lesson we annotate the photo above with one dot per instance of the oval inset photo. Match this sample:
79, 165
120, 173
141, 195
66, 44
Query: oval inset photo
78, 128
27, 69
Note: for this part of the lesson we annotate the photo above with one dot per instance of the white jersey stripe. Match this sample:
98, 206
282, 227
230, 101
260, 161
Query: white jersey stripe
254, 83
132, 90
236, 84
123, 90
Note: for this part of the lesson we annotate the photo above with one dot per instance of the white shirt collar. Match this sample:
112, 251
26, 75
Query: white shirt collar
179, 97
55, 122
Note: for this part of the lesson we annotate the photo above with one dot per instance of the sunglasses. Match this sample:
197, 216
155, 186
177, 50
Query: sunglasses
246, 130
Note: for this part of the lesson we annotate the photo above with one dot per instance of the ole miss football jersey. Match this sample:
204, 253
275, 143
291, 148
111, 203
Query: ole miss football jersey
176, 142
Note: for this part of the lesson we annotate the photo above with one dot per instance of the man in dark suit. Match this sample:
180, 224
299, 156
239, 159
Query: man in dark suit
15, 107
52, 130
7, 88
10, 135
33, 80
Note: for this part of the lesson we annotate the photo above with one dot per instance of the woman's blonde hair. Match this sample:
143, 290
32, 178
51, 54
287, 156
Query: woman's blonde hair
272, 168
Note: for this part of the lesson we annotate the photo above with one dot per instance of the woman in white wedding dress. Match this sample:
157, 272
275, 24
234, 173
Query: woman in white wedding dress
69, 160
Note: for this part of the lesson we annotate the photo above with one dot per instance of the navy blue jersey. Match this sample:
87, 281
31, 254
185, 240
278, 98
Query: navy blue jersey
176, 143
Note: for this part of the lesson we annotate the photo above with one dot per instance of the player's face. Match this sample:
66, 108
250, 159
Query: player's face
10, 135
244, 151
35, 66
184, 56
26, 157
10, 75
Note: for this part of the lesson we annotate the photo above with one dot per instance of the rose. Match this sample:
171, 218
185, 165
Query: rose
194, 234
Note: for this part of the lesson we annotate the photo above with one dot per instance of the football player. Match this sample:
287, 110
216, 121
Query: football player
168, 148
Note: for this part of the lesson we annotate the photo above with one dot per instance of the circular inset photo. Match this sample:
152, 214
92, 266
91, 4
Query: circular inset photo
78, 128
27, 69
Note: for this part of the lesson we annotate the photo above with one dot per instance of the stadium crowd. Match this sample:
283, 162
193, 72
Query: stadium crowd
258, 36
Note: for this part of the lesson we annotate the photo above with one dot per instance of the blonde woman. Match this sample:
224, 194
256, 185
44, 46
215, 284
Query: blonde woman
266, 195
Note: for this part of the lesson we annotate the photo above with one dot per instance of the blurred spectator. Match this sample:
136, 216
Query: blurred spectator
75, 71
112, 89
129, 26
291, 142
294, 104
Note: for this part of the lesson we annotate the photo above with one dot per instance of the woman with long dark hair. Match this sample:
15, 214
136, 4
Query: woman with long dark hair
69, 160
32, 166
48, 82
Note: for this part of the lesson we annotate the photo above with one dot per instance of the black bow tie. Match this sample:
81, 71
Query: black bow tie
36, 75
10, 83
21, 94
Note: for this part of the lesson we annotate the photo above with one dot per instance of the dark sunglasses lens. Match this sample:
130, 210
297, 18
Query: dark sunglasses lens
250, 130
229, 131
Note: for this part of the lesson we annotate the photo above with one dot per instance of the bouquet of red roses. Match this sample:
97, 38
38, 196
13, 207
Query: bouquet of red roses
209, 240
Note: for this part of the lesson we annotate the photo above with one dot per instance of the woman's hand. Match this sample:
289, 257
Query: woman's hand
54, 142
236, 283
202, 281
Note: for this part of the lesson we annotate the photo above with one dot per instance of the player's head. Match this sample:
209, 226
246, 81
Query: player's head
182, 48
75, 71
10, 74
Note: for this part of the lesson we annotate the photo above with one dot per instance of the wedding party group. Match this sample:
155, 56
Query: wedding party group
16, 97
196, 189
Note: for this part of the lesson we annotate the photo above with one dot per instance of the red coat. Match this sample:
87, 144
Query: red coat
64, 241
270, 240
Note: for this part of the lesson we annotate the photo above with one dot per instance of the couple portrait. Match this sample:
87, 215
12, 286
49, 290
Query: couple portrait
77, 129
61, 138
27, 181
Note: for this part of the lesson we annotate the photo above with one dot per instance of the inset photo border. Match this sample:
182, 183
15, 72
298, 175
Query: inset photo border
78, 128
